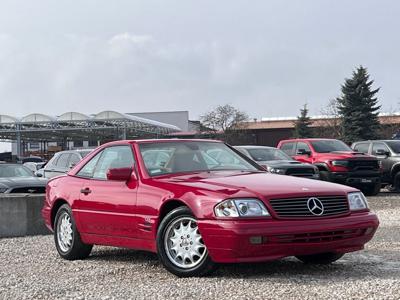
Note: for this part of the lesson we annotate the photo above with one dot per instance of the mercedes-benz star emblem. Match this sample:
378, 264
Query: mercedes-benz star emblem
315, 206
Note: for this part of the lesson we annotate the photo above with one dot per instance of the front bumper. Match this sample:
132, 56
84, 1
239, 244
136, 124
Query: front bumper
263, 240
356, 179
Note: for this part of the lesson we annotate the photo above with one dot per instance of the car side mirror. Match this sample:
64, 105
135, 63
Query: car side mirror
37, 174
71, 165
303, 152
382, 152
121, 174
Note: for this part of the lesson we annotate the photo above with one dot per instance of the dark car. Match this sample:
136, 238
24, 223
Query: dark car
195, 211
388, 153
16, 178
277, 161
63, 161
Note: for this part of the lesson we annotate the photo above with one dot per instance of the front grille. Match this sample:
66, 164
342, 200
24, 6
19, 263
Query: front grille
29, 190
316, 237
301, 172
297, 207
360, 165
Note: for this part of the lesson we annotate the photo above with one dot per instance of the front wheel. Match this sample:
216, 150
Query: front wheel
180, 245
66, 236
320, 259
372, 190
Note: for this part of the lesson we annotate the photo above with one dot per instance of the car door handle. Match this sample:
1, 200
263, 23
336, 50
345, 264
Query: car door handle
86, 191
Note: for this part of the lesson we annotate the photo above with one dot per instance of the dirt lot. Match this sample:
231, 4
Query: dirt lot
31, 269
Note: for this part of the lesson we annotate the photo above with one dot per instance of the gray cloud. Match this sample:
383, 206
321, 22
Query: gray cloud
267, 58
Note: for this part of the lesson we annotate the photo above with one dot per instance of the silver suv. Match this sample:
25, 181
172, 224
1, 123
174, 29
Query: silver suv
63, 161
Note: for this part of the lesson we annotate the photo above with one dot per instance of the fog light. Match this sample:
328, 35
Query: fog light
256, 240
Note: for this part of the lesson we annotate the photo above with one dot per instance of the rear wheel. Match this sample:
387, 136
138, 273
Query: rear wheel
67, 238
180, 245
320, 259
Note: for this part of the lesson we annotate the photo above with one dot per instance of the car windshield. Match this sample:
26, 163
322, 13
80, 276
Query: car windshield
394, 145
267, 154
14, 171
182, 157
326, 146
84, 153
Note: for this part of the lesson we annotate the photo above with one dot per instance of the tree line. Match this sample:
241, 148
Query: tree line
352, 116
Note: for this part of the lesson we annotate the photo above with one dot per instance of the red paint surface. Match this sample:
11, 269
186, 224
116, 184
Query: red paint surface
126, 214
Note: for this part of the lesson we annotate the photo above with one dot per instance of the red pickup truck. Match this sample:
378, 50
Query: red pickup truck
337, 162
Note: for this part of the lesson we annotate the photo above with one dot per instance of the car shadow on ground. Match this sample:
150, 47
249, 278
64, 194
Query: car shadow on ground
380, 264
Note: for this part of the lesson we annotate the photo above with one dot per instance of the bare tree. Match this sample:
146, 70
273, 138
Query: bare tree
224, 118
329, 126
227, 123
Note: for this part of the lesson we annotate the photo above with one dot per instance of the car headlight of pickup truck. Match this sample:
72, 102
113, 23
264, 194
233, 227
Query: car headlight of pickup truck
340, 163
276, 170
241, 208
357, 201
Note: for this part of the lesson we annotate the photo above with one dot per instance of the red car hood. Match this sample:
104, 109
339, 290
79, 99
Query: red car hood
256, 184
346, 155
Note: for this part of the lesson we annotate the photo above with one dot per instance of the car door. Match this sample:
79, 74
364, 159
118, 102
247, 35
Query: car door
385, 162
303, 153
107, 207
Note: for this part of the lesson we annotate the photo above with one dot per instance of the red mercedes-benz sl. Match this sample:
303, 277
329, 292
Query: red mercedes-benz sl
198, 203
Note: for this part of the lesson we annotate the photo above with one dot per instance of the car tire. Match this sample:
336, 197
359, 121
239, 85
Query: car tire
180, 246
395, 186
372, 190
320, 259
66, 236
324, 176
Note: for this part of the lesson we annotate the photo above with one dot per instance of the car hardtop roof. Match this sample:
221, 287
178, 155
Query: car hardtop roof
75, 150
173, 140
309, 139
255, 147
366, 141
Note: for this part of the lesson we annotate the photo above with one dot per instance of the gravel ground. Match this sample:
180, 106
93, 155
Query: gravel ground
31, 269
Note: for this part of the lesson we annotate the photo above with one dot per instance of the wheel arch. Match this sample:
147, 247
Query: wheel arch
169, 206
322, 167
395, 169
57, 204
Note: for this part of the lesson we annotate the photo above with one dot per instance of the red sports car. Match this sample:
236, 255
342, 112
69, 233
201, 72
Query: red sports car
198, 203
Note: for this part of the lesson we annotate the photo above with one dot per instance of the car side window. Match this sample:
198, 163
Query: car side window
288, 148
62, 161
303, 146
113, 157
74, 159
362, 147
379, 146
88, 169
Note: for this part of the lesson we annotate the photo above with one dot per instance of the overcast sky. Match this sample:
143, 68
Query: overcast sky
265, 57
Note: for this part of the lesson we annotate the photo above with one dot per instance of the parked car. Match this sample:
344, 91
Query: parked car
277, 161
337, 162
34, 166
63, 161
388, 153
23, 160
196, 212
16, 178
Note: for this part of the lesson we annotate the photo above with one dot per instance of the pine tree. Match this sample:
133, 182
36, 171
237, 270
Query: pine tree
358, 108
302, 124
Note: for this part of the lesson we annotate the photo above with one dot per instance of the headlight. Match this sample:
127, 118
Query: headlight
3, 190
241, 208
340, 163
357, 201
276, 170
